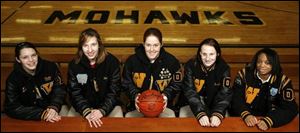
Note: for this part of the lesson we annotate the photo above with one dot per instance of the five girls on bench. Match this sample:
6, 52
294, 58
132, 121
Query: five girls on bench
34, 89
207, 85
94, 80
261, 89
151, 67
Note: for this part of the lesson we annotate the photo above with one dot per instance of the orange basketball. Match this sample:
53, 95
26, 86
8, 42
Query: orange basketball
151, 103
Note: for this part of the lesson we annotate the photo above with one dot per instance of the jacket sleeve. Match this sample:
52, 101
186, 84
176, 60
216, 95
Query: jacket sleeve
223, 97
176, 82
196, 103
239, 107
58, 92
286, 109
128, 82
113, 89
78, 101
13, 106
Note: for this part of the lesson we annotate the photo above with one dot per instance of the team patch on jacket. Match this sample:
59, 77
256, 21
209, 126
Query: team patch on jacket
199, 84
82, 78
47, 87
162, 84
177, 77
288, 94
273, 91
138, 79
165, 73
226, 82
251, 94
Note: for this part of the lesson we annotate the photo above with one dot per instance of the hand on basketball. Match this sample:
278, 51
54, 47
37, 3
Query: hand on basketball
165, 101
136, 102
204, 121
215, 121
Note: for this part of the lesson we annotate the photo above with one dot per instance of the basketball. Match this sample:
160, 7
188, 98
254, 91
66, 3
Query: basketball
151, 103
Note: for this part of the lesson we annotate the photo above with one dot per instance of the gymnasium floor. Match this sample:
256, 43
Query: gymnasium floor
230, 22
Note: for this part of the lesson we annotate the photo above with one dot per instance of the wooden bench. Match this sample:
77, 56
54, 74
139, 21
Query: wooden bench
75, 124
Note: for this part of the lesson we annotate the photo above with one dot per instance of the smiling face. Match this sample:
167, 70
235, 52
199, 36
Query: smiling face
263, 65
91, 48
152, 47
208, 55
28, 58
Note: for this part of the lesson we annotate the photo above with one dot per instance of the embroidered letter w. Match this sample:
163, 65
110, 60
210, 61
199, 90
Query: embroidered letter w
251, 94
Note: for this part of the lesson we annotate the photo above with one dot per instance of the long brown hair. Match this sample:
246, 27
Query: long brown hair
84, 35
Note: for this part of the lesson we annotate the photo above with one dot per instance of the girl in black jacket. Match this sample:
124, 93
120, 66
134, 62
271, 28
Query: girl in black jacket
261, 89
207, 85
94, 80
34, 89
151, 67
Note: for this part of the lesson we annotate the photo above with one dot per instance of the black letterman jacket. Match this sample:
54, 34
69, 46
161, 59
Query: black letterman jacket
207, 91
165, 73
28, 97
274, 100
94, 88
